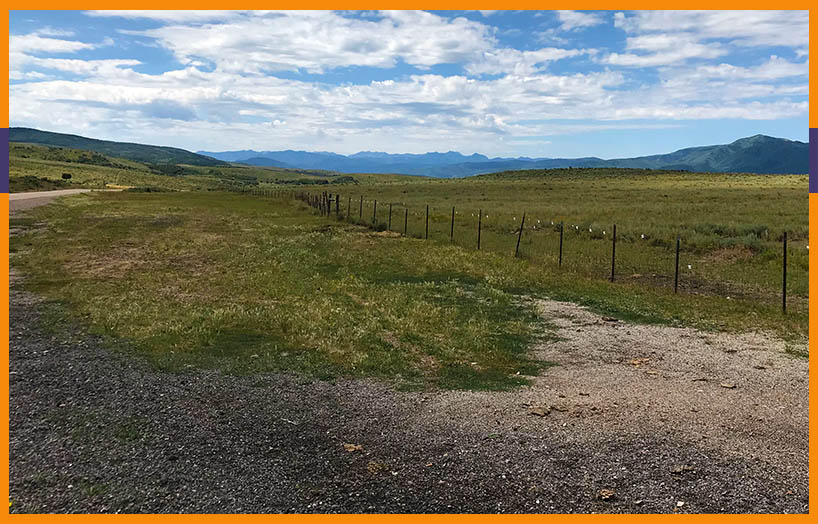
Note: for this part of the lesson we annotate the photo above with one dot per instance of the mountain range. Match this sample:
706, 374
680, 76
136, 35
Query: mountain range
755, 154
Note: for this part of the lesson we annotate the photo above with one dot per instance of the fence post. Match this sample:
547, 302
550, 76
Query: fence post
613, 254
349, 208
451, 233
562, 227
374, 212
337, 208
479, 227
427, 221
784, 283
519, 236
389, 224
405, 220
361, 209
676, 277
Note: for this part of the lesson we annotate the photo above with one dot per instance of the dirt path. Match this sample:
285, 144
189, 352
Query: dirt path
93, 430
30, 199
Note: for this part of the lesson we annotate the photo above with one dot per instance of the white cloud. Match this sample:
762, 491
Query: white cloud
34, 43
227, 95
671, 38
519, 63
570, 20
317, 41
773, 69
168, 15
743, 28
23, 51
664, 50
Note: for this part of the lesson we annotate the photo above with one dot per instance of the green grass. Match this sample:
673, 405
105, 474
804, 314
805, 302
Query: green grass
24, 183
730, 225
248, 283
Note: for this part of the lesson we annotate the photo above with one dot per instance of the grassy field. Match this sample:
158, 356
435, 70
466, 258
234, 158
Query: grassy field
730, 226
219, 279
209, 273
246, 283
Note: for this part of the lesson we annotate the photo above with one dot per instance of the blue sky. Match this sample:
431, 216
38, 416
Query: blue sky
501, 83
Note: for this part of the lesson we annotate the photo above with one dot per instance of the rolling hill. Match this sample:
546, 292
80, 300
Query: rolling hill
139, 152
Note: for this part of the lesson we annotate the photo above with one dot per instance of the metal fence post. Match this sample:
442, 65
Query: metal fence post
613, 253
451, 233
784, 282
519, 236
676, 276
479, 227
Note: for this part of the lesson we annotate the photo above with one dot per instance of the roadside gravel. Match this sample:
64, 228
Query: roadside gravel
93, 430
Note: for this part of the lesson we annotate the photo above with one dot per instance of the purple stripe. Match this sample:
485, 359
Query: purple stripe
813, 160
4, 180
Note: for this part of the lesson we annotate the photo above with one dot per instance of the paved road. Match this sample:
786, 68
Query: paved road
27, 200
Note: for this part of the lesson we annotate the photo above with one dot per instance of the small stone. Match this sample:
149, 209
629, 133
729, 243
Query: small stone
606, 494
680, 504
540, 411
728, 385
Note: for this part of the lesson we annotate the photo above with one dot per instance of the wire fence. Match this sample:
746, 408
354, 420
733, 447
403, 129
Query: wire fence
543, 239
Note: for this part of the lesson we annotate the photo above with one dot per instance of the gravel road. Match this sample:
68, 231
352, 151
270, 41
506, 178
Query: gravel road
637, 411
29, 199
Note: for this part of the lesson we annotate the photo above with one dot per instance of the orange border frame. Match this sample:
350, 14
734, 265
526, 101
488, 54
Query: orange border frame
361, 519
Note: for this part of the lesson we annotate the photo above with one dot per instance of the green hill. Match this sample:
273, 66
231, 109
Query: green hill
137, 152
756, 154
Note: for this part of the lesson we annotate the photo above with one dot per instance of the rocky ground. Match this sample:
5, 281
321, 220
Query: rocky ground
633, 419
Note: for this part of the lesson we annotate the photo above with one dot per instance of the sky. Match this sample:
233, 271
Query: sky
501, 83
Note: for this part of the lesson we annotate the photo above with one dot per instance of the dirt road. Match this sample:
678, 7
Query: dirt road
22, 201
664, 419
